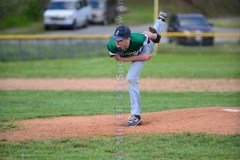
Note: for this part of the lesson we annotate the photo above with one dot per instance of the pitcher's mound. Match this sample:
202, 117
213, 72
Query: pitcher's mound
214, 120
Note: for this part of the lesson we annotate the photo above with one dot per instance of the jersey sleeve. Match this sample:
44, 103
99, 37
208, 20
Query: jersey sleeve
111, 54
146, 41
112, 49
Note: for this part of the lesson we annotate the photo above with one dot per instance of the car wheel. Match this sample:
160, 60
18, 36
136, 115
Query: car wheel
74, 25
208, 41
179, 40
170, 40
86, 24
115, 20
211, 43
105, 22
46, 27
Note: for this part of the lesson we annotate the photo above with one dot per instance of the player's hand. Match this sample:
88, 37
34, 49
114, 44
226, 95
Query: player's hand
118, 57
145, 57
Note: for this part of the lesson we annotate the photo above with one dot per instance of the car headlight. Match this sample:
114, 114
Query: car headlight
198, 32
186, 32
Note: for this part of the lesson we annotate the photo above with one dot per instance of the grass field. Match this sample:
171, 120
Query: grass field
174, 146
172, 61
219, 61
130, 17
34, 104
233, 22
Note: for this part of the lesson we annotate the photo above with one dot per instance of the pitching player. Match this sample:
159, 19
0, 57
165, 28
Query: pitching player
125, 46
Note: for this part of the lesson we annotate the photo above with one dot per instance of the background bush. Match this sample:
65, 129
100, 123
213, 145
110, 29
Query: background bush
15, 13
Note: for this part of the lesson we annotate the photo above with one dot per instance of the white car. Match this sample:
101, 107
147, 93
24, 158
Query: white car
67, 13
103, 11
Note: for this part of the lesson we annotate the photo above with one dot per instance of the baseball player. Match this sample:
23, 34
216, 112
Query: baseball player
126, 46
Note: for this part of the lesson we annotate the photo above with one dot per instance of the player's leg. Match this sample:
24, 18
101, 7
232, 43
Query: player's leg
160, 22
147, 48
158, 27
133, 87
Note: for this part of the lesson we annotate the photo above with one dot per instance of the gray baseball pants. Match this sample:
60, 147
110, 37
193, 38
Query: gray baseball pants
134, 73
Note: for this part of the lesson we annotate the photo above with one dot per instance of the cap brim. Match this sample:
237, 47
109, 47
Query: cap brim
116, 38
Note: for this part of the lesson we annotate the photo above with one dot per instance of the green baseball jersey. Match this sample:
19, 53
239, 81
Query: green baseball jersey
137, 41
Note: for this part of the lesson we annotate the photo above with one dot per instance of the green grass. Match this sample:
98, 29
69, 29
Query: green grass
34, 28
172, 61
8, 126
34, 104
139, 13
226, 22
173, 146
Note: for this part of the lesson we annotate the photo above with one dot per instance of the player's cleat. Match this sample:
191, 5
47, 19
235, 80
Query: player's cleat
162, 15
134, 121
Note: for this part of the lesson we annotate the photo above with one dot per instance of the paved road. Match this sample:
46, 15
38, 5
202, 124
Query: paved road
97, 29
100, 29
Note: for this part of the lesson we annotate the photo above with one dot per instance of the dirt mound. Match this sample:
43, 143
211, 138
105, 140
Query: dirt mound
214, 120
108, 84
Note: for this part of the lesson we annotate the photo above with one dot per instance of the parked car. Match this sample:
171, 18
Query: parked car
67, 13
190, 23
103, 11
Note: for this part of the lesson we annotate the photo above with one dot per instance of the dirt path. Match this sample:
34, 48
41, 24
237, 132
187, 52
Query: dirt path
108, 84
213, 120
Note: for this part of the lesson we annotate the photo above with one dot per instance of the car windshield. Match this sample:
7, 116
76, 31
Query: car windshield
61, 5
97, 4
192, 21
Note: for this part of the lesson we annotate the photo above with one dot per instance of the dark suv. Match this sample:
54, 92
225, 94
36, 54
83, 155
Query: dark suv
190, 23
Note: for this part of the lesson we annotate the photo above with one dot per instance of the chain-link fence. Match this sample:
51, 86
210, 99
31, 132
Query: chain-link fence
30, 49
35, 47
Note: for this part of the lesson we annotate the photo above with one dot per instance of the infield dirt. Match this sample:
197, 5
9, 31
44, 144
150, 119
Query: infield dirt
108, 84
213, 120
